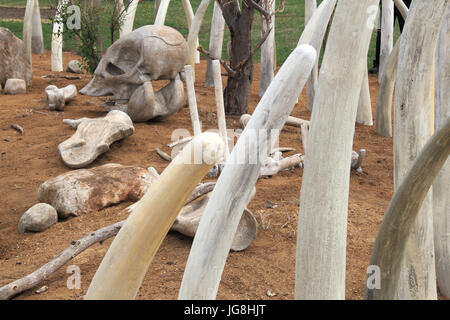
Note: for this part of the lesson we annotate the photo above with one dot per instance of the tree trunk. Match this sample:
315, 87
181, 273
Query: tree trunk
322, 225
412, 128
238, 86
441, 199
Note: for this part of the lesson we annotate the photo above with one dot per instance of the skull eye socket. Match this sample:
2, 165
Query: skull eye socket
114, 70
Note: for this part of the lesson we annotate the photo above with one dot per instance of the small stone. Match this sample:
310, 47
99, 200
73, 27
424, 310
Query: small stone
74, 67
270, 293
38, 218
15, 86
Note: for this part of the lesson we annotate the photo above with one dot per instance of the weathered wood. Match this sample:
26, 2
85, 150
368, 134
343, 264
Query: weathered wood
236, 183
311, 85
220, 109
215, 42
127, 26
441, 199
123, 268
399, 220
192, 101
193, 32
267, 63
322, 226
57, 39
412, 128
364, 112
385, 93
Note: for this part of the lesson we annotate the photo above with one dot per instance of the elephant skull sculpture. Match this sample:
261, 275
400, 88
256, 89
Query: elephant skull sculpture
130, 65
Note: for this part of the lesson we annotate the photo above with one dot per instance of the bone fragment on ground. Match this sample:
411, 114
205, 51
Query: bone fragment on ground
93, 137
87, 190
189, 217
57, 98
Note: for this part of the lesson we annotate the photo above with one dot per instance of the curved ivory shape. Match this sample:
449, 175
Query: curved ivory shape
128, 21
402, 8
123, 268
398, 222
192, 101
190, 16
441, 199
215, 42
291, 121
322, 226
162, 12
311, 85
192, 39
314, 34
37, 38
28, 27
412, 127
236, 183
267, 51
220, 108
387, 34
385, 92
57, 39
364, 113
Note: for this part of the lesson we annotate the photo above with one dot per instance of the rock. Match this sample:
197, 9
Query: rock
93, 137
15, 86
38, 218
14, 63
74, 67
87, 190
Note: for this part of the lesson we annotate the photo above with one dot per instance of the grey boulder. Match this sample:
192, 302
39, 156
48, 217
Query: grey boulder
38, 218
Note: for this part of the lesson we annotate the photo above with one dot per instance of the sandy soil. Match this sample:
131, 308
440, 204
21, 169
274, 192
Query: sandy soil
269, 263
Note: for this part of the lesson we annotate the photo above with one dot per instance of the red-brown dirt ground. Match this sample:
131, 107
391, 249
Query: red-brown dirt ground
268, 263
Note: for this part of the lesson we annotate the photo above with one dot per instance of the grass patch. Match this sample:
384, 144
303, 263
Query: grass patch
289, 26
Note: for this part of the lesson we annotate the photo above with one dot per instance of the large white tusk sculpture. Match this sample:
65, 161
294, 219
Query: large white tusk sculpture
398, 222
215, 42
236, 183
124, 266
322, 226
441, 199
412, 127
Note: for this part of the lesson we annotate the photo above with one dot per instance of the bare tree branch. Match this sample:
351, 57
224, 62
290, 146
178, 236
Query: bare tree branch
230, 71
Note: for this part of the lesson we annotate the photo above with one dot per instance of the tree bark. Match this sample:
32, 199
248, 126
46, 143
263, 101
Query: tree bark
441, 199
322, 226
398, 222
57, 40
236, 183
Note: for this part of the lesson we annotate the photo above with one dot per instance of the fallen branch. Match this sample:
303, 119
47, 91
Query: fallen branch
58, 76
76, 247
17, 128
